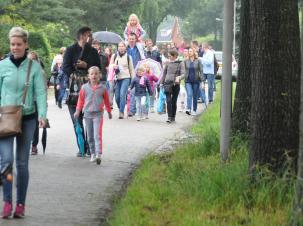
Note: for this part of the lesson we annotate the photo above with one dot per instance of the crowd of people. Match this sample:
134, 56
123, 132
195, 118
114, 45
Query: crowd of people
90, 78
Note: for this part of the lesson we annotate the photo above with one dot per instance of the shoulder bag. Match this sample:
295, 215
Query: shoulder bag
11, 115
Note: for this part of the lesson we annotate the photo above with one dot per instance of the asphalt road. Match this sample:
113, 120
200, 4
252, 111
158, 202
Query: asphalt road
68, 190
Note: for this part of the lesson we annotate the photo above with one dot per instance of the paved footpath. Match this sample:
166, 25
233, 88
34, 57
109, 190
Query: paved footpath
67, 190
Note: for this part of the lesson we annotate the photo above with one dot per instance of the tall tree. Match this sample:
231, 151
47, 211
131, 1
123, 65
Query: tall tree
297, 218
242, 104
201, 20
154, 12
275, 75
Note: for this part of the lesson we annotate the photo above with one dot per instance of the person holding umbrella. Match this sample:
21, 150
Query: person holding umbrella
78, 58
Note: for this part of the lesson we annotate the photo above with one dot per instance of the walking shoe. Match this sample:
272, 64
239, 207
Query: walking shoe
60, 105
152, 110
34, 150
79, 154
92, 158
194, 113
98, 160
138, 118
130, 114
169, 120
145, 116
187, 111
7, 210
19, 211
121, 115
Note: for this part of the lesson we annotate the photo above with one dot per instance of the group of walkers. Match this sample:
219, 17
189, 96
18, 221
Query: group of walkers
91, 79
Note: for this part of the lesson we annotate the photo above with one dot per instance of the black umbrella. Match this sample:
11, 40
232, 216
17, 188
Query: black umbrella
43, 139
44, 135
107, 37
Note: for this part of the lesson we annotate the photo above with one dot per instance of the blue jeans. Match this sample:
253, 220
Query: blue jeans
121, 93
22, 156
192, 90
141, 106
132, 107
210, 81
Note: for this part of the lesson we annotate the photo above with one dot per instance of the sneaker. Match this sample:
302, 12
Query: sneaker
60, 105
7, 210
130, 114
194, 113
121, 115
19, 212
34, 150
169, 120
92, 158
145, 116
187, 111
138, 118
152, 110
98, 160
79, 154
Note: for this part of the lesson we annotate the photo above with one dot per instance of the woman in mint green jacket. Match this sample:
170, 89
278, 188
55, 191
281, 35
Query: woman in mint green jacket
12, 80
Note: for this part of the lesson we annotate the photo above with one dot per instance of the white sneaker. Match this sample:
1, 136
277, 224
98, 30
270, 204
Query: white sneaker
92, 158
194, 113
152, 110
138, 118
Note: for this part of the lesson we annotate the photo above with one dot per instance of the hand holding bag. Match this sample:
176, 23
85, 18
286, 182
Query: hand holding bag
11, 116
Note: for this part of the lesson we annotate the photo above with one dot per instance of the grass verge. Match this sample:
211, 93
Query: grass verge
191, 186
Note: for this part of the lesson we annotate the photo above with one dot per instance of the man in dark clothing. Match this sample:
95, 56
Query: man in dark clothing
136, 55
103, 60
152, 53
78, 58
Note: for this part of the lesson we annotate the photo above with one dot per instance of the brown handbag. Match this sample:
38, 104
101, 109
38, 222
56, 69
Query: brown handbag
11, 116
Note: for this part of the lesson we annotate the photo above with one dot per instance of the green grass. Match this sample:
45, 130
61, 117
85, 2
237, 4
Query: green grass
191, 186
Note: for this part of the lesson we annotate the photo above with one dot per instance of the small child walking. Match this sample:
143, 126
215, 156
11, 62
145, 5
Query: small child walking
152, 81
92, 99
141, 84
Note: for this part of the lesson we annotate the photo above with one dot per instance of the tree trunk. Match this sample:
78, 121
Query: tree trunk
297, 218
275, 75
242, 104
153, 31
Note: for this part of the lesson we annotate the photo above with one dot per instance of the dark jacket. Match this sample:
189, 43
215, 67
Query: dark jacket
171, 71
135, 55
140, 90
103, 63
198, 69
72, 55
154, 54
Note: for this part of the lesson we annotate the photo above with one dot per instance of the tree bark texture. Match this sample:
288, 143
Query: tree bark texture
275, 75
297, 218
242, 102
